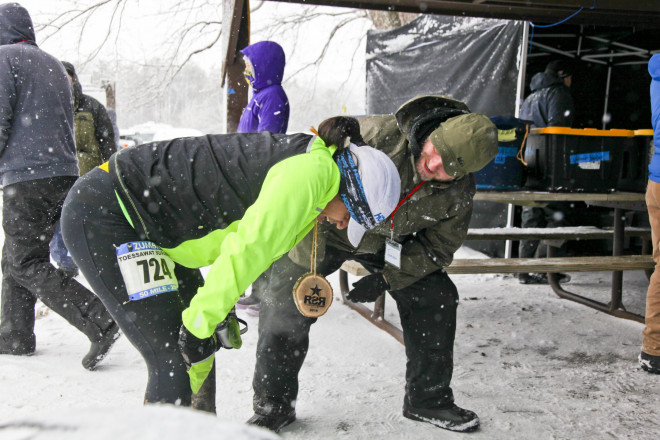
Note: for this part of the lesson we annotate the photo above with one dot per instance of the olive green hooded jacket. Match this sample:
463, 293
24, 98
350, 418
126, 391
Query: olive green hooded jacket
95, 136
432, 224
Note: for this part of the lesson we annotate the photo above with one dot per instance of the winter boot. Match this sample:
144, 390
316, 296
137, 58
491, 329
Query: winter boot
100, 349
452, 418
273, 422
17, 343
649, 363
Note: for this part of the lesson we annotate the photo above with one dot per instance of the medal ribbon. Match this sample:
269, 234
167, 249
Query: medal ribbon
312, 263
399, 205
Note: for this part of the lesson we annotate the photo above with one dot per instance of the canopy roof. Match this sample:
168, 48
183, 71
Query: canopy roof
642, 13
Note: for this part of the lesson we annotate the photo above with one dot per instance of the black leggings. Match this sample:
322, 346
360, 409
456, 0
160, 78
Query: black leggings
92, 226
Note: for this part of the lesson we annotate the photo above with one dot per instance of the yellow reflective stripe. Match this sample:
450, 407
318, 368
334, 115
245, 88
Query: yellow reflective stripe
123, 209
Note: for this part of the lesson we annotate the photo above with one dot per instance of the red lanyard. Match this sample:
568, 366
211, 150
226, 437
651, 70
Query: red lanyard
401, 203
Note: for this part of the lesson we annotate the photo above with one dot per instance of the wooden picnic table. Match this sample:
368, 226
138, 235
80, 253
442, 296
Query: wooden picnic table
553, 238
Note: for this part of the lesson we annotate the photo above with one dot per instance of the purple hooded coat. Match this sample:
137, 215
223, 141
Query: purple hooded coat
268, 110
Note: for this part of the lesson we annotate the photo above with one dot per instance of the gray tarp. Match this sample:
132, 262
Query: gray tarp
475, 60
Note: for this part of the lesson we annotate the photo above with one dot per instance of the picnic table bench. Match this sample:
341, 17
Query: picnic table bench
553, 238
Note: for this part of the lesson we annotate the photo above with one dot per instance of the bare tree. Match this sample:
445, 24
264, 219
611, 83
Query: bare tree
190, 27
194, 26
187, 28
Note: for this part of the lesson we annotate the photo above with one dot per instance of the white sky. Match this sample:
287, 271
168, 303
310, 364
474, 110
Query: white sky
149, 31
148, 28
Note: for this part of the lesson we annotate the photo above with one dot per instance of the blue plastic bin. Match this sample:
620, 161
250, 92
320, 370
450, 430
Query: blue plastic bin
506, 171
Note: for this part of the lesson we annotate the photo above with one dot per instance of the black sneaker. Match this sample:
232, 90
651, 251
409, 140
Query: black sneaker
649, 363
17, 345
273, 422
540, 278
100, 349
453, 418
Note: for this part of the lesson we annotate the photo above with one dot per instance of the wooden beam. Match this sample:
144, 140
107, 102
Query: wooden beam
567, 233
641, 13
552, 265
539, 196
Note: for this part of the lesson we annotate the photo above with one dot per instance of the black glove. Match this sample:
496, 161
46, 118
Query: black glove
195, 350
368, 289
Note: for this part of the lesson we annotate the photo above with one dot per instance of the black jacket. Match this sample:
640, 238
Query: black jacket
170, 188
550, 104
36, 111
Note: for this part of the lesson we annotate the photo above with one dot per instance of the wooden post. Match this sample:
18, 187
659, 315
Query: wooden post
235, 20
110, 99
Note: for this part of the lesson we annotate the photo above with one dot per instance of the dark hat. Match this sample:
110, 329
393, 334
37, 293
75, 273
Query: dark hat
69, 68
466, 143
420, 116
561, 68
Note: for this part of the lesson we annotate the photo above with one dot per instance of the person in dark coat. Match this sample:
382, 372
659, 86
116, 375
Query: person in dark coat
94, 132
436, 144
38, 166
550, 104
268, 109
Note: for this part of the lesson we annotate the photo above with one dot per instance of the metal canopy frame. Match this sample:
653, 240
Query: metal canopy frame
618, 54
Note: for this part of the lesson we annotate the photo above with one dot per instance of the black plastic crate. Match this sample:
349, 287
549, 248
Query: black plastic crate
561, 159
636, 160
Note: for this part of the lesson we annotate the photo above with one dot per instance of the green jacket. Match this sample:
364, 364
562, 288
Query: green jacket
294, 192
431, 225
95, 136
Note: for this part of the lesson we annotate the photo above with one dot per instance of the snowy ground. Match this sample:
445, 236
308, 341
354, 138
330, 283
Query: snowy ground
530, 364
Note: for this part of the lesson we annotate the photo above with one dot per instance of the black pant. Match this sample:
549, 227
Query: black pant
428, 317
93, 225
30, 211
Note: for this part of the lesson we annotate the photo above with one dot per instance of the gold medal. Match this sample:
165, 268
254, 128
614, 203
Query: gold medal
312, 293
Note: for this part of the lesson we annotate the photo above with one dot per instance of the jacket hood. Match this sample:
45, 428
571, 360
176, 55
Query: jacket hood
466, 143
15, 24
544, 79
654, 67
77, 87
267, 58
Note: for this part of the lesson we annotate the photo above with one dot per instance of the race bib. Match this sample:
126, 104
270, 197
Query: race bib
146, 269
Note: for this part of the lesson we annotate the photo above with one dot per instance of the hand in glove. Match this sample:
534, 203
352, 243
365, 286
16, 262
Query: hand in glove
198, 355
368, 289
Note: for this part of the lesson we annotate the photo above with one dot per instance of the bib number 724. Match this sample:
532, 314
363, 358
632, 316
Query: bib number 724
146, 269
159, 267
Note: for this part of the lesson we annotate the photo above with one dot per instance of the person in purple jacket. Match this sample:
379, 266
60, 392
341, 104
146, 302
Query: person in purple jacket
268, 110
649, 358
